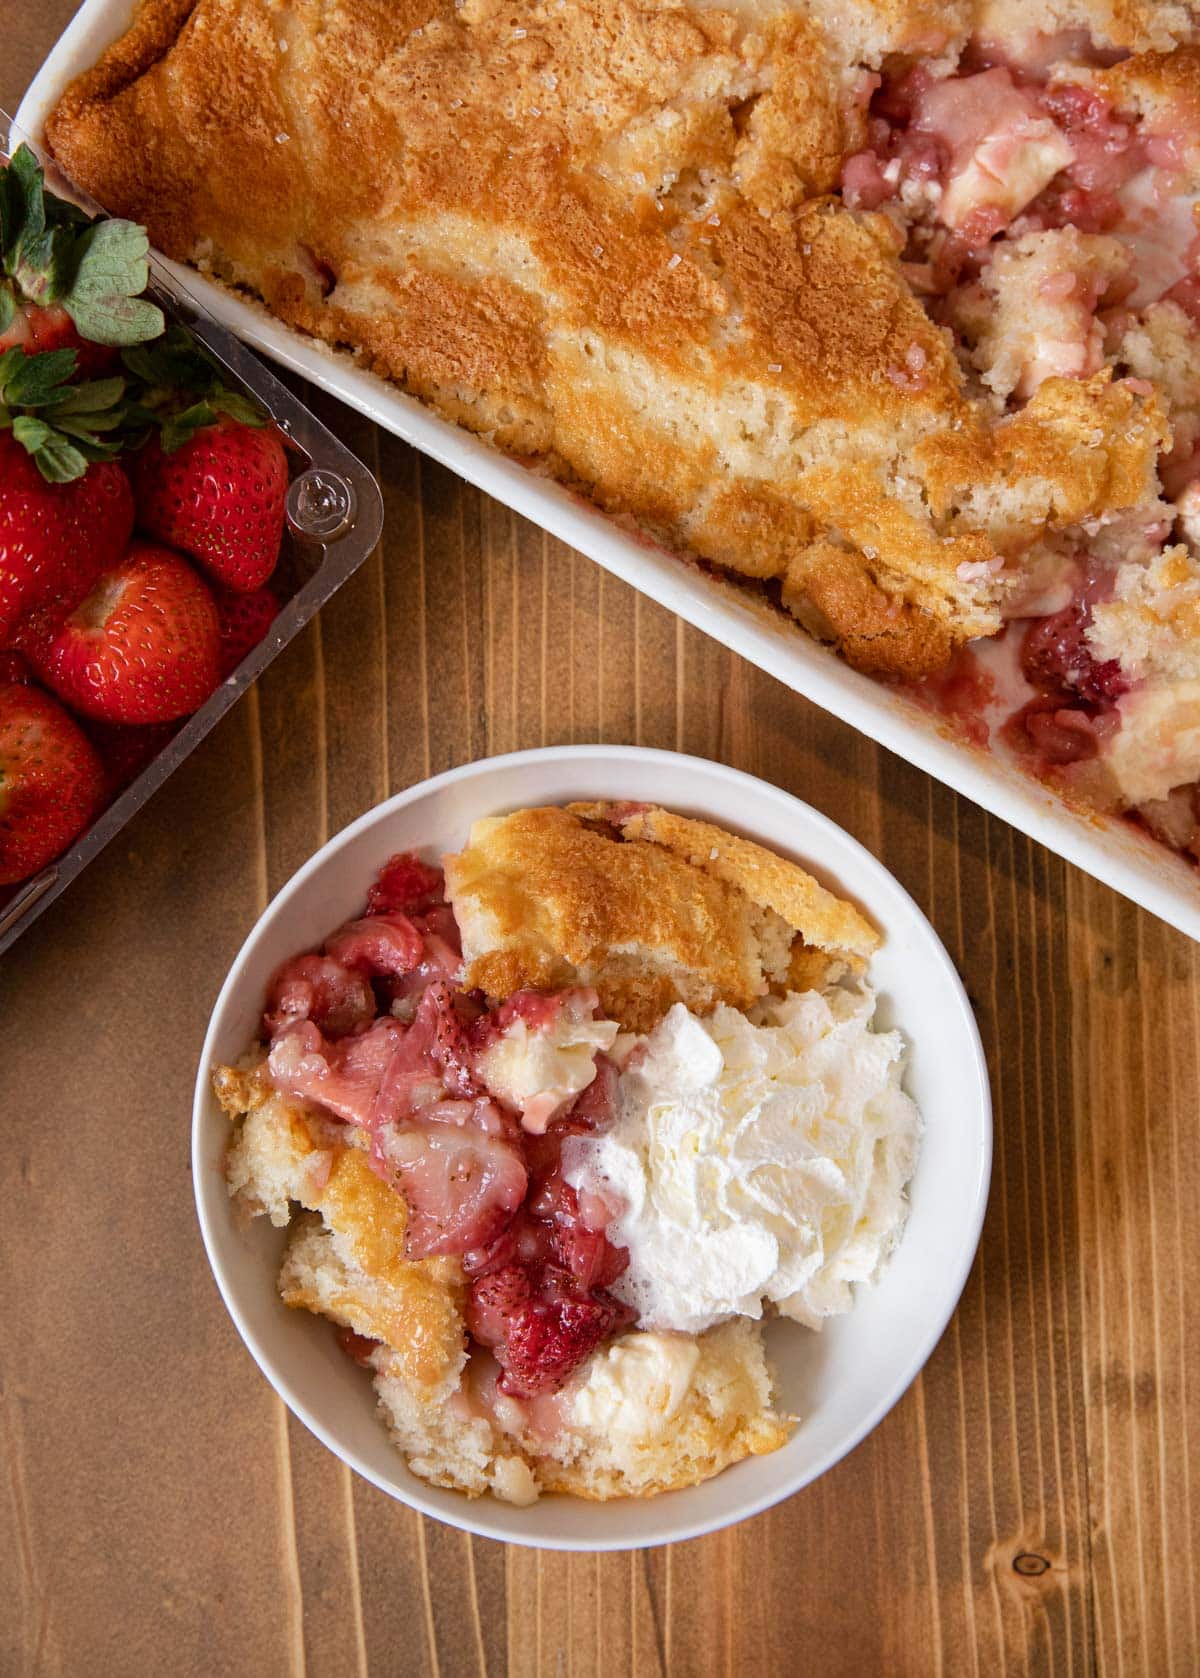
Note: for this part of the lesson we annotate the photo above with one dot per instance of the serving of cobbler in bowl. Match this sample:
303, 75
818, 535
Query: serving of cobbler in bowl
592, 1145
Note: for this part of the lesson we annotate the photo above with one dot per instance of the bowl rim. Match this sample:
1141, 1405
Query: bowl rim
473, 1518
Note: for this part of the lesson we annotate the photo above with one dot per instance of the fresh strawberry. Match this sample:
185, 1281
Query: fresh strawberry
14, 667
126, 749
55, 538
34, 329
51, 781
244, 620
67, 282
219, 497
143, 646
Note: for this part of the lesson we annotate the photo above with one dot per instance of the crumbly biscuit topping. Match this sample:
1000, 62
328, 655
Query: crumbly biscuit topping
879, 306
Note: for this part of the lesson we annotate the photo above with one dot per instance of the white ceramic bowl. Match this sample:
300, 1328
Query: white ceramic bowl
840, 1382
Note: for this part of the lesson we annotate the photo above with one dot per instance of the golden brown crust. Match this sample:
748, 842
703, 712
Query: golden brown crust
280, 1149
649, 907
544, 900
686, 1459
769, 880
594, 231
1159, 84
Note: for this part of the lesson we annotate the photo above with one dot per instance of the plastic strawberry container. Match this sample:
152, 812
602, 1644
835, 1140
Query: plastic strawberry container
334, 516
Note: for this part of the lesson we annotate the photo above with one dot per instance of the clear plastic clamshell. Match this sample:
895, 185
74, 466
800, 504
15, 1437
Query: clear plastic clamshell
334, 517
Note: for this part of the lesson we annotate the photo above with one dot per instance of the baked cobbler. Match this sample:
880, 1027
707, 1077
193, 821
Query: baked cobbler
554, 1127
887, 309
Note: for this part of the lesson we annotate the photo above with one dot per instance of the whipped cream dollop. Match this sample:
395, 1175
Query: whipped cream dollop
754, 1159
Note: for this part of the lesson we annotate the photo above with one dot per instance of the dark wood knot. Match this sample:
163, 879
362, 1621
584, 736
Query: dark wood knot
1030, 1566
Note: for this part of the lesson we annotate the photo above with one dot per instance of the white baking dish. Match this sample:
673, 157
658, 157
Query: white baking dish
1113, 851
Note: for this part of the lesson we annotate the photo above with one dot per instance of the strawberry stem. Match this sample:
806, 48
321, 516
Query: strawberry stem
52, 253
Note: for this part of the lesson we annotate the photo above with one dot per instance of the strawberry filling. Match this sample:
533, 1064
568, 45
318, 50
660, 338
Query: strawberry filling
376, 1030
405, 883
343, 1076
1038, 688
1040, 217
1076, 693
1056, 658
1001, 149
336, 998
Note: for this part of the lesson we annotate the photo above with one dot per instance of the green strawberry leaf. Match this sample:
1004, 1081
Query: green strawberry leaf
176, 359
114, 320
60, 212
238, 407
91, 397
173, 368
101, 294
58, 460
84, 425
38, 268
31, 381
87, 434
8, 308
63, 426
22, 205
178, 429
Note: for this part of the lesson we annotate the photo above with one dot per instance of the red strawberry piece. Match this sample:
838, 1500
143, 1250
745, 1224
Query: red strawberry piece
492, 1301
588, 1254
342, 1075
34, 329
594, 1106
461, 1184
125, 750
451, 1048
548, 1338
51, 781
142, 647
438, 1040
244, 620
55, 539
540, 1010
1058, 734
1056, 658
336, 998
405, 883
219, 497
357, 1347
381, 946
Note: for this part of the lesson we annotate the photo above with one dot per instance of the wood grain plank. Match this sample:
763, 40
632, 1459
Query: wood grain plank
138, 1432
1139, 1174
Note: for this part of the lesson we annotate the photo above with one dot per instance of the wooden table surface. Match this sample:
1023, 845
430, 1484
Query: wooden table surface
1027, 1507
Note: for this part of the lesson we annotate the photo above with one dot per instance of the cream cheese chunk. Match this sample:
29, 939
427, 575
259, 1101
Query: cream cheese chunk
634, 1386
539, 1070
